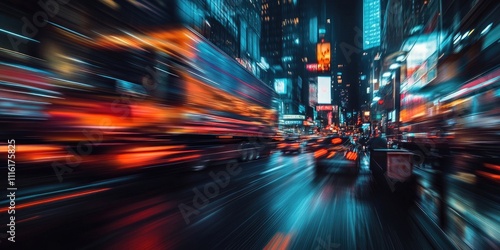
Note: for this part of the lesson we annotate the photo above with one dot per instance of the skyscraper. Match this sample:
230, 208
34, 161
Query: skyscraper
371, 24
319, 55
281, 47
233, 26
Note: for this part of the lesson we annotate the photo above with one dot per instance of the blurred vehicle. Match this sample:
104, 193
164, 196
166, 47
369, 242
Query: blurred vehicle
121, 97
311, 144
291, 145
336, 154
292, 136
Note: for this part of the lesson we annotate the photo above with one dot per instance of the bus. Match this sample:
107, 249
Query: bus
116, 94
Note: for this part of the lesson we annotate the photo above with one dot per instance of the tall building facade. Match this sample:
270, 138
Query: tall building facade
319, 59
298, 41
341, 95
281, 46
248, 14
399, 20
233, 26
365, 85
371, 24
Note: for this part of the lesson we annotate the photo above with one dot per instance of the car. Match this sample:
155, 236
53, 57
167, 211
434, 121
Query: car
311, 144
290, 145
336, 154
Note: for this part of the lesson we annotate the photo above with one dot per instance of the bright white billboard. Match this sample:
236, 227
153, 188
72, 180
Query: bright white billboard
324, 90
280, 85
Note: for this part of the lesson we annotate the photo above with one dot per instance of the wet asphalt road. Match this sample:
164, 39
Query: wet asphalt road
273, 203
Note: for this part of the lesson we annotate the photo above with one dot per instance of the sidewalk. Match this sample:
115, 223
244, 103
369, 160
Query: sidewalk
438, 238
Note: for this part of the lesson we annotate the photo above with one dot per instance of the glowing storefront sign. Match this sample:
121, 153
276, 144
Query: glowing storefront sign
293, 122
326, 108
312, 67
294, 117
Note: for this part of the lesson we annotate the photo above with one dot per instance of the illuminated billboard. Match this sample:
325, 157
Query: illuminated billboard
324, 90
326, 108
371, 24
323, 56
280, 85
312, 67
421, 60
288, 122
420, 48
294, 117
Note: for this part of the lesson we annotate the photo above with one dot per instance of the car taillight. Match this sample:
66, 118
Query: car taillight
351, 156
331, 154
320, 153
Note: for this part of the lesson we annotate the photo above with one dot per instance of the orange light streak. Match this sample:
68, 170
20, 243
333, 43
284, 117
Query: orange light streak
331, 154
320, 152
54, 199
279, 242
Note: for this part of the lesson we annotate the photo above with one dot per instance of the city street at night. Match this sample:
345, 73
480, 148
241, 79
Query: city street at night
273, 203
250, 124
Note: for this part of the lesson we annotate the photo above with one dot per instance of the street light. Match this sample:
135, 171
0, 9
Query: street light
395, 66
393, 63
401, 58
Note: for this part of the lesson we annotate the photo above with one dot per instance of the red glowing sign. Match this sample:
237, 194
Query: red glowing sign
324, 108
312, 67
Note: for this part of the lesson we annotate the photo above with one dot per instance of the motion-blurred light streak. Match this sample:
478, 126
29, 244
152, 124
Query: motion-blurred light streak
279, 241
56, 199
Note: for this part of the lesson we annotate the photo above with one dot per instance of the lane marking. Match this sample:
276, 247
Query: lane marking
273, 169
